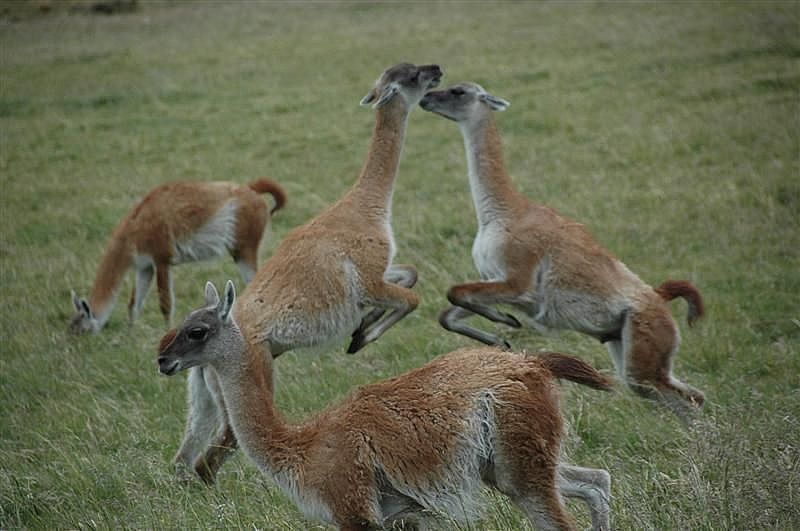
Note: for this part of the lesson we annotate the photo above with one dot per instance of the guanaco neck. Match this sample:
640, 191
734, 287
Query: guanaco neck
246, 382
491, 187
375, 185
117, 259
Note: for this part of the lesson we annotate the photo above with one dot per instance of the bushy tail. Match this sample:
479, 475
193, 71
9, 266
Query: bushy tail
265, 186
567, 367
684, 289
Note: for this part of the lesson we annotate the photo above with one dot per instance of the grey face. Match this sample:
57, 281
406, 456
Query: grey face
200, 339
83, 321
411, 81
80, 324
424, 77
187, 345
461, 102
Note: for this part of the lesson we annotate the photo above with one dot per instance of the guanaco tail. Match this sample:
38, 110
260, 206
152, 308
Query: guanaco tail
551, 269
396, 452
176, 223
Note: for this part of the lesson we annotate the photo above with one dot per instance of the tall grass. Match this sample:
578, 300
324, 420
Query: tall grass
669, 129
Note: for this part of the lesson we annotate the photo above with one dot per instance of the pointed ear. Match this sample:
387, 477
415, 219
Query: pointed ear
495, 103
76, 302
212, 297
228, 298
388, 92
370, 97
85, 308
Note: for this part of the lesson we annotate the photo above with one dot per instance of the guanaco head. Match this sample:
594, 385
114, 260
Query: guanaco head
202, 337
409, 82
462, 102
84, 320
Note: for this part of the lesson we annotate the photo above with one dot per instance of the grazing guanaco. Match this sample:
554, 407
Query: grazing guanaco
328, 279
173, 224
551, 269
394, 452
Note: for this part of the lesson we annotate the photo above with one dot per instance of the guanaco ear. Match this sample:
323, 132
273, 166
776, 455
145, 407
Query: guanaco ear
76, 302
82, 306
388, 92
228, 298
212, 297
86, 309
494, 103
370, 97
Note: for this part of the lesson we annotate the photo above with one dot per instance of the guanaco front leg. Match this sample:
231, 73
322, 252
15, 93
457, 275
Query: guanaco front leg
223, 443
397, 301
402, 275
165, 295
144, 277
451, 319
221, 447
477, 296
202, 421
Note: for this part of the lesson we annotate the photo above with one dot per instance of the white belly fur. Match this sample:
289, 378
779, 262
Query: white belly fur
487, 252
215, 238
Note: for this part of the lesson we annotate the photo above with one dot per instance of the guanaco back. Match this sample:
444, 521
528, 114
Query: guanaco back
394, 453
329, 279
551, 269
176, 223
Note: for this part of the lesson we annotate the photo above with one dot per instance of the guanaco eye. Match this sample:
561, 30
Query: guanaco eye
457, 92
415, 77
197, 334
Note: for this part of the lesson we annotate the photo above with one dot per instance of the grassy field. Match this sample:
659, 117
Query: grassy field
670, 130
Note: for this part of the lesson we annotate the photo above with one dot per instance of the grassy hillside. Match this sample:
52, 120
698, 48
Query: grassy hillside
670, 130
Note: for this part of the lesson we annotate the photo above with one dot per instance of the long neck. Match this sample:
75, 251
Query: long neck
375, 185
246, 382
491, 187
116, 261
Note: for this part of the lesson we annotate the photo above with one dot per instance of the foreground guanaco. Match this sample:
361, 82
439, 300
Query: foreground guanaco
176, 223
328, 279
551, 269
396, 451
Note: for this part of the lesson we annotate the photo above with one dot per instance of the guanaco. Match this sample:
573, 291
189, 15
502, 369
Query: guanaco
176, 223
394, 452
551, 269
330, 278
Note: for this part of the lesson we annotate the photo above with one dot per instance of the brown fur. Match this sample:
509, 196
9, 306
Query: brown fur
167, 339
404, 434
265, 186
173, 213
552, 269
574, 369
671, 289
316, 285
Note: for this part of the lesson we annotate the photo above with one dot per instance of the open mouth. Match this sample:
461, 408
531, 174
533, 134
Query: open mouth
435, 82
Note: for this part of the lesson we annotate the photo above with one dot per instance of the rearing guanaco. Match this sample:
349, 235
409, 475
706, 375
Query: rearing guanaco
550, 268
176, 223
398, 451
330, 278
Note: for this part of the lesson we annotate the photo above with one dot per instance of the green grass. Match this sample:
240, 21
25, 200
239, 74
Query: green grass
670, 130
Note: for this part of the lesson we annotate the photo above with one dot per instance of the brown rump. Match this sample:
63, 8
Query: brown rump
167, 340
567, 367
684, 289
265, 186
